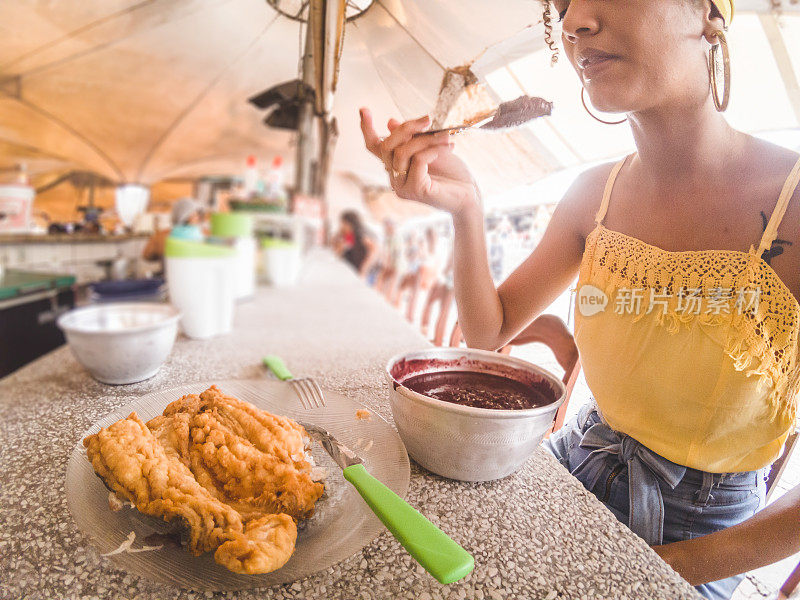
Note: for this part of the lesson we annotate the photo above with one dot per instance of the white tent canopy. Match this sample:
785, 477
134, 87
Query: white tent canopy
146, 90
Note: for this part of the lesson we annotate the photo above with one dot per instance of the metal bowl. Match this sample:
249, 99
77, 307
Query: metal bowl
463, 442
121, 343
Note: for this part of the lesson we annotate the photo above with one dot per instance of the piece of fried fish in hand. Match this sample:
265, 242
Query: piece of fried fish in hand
238, 477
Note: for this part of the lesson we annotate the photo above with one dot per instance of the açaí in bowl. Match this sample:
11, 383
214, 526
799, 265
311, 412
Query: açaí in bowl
469, 414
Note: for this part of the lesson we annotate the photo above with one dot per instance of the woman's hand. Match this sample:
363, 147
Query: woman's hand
422, 168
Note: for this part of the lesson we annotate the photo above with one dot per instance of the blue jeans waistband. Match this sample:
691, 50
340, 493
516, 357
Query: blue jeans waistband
590, 414
645, 470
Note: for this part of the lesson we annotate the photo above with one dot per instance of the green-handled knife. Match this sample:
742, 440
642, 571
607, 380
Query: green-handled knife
430, 546
441, 556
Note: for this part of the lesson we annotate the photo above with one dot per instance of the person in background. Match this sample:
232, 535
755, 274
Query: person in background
187, 219
354, 243
391, 259
441, 292
416, 256
496, 255
374, 271
435, 258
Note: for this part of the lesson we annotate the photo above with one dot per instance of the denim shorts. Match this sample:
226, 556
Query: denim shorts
699, 504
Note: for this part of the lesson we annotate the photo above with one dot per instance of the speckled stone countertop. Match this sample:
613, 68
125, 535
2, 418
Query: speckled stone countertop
535, 535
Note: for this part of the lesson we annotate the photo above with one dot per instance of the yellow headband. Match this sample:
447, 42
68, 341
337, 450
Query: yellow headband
726, 8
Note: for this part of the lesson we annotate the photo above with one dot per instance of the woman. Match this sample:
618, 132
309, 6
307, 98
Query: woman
354, 244
691, 409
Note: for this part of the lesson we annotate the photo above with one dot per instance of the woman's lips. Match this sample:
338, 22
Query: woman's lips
596, 66
593, 61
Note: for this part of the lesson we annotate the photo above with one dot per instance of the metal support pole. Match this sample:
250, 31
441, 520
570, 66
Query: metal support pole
306, 134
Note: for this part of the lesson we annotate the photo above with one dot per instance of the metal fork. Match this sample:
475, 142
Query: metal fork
306, 388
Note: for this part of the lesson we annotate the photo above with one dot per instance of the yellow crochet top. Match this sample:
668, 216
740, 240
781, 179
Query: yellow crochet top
694, 354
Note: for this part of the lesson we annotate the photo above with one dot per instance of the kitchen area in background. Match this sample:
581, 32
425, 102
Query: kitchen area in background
80, 240
238, 356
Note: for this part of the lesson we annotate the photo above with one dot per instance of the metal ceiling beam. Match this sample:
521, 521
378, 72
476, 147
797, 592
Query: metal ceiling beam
323, 50
11, 86
103, 33
54, 119
306, 138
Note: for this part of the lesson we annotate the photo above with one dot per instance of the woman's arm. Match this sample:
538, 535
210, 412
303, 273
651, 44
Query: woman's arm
769, 536
337, 243
489, 317
425, 169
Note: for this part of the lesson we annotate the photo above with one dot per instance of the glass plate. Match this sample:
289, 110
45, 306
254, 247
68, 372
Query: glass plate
342, 523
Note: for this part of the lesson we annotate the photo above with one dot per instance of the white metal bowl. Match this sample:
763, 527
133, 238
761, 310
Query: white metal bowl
463, 442
121, 343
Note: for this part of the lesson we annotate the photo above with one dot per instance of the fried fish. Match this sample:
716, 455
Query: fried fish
239, 478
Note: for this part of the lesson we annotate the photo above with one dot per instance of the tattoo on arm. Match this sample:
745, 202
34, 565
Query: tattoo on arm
776, 249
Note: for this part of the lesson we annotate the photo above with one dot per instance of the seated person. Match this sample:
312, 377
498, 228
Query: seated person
187, 217
354, 243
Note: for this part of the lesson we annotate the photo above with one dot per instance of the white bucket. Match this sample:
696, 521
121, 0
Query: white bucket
245, 267
281, 264
131, 200
204, 290
16, 204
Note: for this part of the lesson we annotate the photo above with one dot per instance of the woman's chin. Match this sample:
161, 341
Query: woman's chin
606, 103
611, 109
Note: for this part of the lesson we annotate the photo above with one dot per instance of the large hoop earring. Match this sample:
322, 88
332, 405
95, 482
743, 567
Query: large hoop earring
583, 100
721, 105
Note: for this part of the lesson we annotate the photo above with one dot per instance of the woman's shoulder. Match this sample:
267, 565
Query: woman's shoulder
593, 179
767, 167
768, 154
771, 149
771, 160
582, 200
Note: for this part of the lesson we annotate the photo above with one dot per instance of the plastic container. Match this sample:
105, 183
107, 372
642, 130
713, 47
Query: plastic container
280, 262
131, 201
235, 230
201, 284
16, 204
250, 177
129, 290
275, 187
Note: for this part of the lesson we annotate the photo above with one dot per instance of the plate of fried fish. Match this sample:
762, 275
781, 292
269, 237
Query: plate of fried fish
215, 486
